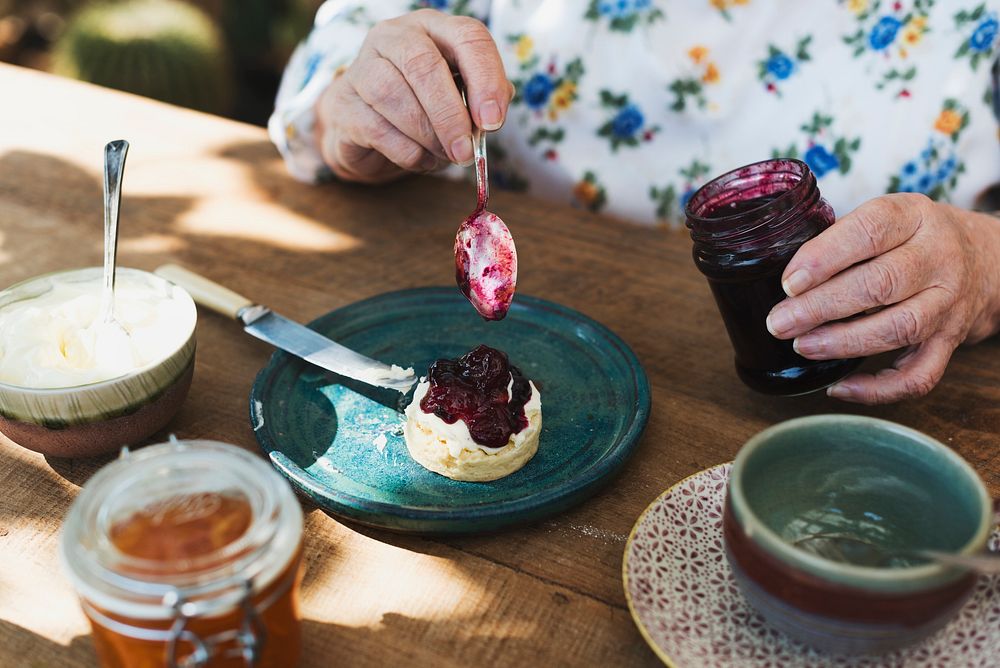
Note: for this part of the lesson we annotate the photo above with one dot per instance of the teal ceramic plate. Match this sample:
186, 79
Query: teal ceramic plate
345, 450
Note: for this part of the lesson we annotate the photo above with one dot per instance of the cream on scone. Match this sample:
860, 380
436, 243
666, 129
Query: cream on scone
506, 418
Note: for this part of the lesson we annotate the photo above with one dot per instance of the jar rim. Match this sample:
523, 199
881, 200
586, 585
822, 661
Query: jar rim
740, 225
107, 577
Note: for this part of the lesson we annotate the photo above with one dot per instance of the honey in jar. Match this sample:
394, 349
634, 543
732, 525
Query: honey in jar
188, 554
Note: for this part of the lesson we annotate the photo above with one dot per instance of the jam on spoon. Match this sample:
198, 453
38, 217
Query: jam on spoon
485, 256
473, 388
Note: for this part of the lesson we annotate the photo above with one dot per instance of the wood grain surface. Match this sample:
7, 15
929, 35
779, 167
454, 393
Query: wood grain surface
212, 195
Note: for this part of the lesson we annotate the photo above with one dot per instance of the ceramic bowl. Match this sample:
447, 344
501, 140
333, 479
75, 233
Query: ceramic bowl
866, 478
96, 418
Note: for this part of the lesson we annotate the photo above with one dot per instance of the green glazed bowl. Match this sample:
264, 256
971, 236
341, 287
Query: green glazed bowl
96, 418
871, 480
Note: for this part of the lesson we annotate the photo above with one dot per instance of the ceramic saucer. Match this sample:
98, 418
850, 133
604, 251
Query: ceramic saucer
683, 597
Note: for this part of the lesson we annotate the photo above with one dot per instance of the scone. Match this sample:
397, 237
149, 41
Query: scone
475, 418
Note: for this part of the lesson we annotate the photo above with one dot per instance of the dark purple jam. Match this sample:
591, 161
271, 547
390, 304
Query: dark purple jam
746, 226
473, 389
741, 207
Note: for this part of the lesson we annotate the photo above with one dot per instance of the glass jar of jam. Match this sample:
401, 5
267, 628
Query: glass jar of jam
746, 226
188, 554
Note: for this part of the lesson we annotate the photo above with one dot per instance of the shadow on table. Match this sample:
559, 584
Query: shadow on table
37, 651
436, 546
38, 491
63, 196
77, 471
401, 638
324, 644
374, 215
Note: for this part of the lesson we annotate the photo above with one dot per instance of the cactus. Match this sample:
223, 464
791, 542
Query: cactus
292, 27
164, 49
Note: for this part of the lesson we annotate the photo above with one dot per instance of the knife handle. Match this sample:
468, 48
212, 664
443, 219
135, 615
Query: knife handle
205, 292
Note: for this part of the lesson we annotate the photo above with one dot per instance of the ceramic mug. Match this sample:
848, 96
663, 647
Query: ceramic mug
846, 475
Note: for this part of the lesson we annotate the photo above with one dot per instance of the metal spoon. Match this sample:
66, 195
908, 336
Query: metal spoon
485, 256
860, 552
114, 168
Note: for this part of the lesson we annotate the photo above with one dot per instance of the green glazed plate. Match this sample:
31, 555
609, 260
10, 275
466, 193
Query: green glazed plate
342, 445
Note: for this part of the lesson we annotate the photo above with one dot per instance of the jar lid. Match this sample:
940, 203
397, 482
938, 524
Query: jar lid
185, 523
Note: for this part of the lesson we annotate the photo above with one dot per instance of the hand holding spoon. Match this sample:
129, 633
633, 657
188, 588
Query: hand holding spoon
485, 256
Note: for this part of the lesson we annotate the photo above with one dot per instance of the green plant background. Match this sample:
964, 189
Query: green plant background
222, 56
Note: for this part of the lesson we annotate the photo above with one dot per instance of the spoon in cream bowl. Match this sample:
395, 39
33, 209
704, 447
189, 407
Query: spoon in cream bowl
107, 338
485, 256
114, 169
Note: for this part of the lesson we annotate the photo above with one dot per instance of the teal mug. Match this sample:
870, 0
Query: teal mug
858, 479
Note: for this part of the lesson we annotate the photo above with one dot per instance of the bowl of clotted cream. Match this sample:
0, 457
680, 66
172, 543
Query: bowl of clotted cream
72, 385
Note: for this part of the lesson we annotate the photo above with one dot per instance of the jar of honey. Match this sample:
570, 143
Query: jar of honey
746, 226
188, 554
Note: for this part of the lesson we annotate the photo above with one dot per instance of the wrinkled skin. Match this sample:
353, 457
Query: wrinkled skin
924, 276
397, 109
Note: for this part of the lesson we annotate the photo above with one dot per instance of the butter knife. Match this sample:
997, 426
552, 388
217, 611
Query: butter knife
288, 335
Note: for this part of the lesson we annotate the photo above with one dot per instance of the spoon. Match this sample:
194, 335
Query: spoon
485, 256
849, 549
114, 168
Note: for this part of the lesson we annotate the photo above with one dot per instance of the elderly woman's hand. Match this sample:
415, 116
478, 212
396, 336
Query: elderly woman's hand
397, 108
933, 267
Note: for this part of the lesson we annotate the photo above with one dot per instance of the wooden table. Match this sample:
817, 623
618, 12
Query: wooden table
213, 195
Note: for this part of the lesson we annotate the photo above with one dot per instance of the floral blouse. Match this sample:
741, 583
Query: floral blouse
628, 106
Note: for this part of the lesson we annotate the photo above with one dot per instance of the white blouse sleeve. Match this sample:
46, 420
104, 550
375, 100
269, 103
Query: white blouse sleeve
336, 37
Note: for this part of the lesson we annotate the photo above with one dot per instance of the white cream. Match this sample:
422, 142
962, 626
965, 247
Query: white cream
376, 376
456, 435
56, 339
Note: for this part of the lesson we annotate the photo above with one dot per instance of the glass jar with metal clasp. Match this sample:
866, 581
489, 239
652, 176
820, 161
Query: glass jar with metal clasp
187, 554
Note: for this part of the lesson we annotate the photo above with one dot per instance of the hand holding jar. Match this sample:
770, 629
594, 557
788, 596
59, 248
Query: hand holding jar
931, 270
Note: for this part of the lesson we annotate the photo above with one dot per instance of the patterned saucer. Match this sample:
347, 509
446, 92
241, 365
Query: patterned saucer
687, 606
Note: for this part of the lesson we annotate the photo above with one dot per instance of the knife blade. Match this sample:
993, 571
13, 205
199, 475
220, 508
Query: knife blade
288, 335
